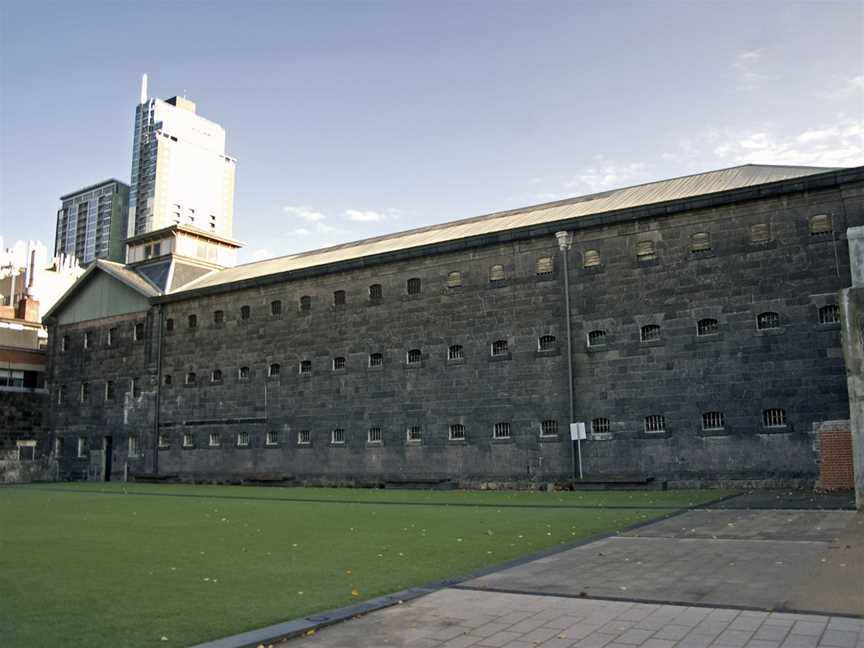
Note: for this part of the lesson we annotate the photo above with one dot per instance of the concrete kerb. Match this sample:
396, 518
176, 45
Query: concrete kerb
314, 622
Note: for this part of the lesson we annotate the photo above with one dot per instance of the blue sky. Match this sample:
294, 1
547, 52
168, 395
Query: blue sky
353, 119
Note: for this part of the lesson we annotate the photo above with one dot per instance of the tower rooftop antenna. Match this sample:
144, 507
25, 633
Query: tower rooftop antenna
143, 88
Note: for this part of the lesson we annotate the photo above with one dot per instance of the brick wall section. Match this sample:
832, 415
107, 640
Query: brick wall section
835, 456
738, 371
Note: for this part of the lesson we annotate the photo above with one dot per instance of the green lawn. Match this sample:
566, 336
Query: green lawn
125, 565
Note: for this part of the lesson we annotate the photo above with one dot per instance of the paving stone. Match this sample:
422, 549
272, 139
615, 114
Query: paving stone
839, 638
499, 639
634, 637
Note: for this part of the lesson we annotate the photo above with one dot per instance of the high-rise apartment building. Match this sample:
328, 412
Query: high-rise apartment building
180, 173
92, 222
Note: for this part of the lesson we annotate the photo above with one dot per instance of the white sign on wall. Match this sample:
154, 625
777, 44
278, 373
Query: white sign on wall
577, 432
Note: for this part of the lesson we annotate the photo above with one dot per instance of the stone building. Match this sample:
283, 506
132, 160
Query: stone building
692, 324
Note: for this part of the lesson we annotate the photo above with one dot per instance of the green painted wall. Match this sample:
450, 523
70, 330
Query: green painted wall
101, 296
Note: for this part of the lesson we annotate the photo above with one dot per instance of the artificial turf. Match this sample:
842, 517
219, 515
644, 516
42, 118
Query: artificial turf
174, 565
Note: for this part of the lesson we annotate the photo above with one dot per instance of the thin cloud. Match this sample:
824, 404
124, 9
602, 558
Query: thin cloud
607, 175
304, 213
364, 216
747, 66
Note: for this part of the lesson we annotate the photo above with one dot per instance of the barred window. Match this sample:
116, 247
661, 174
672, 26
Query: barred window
304, 437
649, 333
374, 435
337, 436
600, 425
413, 286
86, 339
591, 259
274, 370
245, 312
547, 342
415, 356
414, 434
215, 441
645, 251
276, 307
549, 427
455, 352
64, 343
496, 273
82, 447
700, 242
216, 376
166, 379
376, 291
760, 233
767, 320
707, 326
544, 266
109, 389
192, 320
820, 225
713, 421
454, 279
61, 394
132, 446
136, 390
242, 439
774, 417
85, 392
139, 332
272, 438
169, 324
112, 335
188, 440
655, 423
305, 367
190, 378
243, 373
596, 338
339, 298
338, 363
305, 303
376, 359
457, 432
500, 348
218, 317
501, 431
829, 314
164, 441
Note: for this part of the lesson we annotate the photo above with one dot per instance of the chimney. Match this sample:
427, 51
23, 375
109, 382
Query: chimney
28, 309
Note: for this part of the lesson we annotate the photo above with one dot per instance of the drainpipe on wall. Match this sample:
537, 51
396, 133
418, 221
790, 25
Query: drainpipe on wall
158, 325
565, 240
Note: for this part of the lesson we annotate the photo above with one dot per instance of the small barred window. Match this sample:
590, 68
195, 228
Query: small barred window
136, 389
338, 363
339, 298
500, 348
455, 352
242, 439
600, 425
112, 334
166, 380
821, 225
549, 427
457, 432
591, 259
304, 437
376, 291
139, 332
274, 370
655, 423
544, 267
547, 343
337, 436
82, 447
650, 333
645, 251
767, 320
413, 286
215, 441
109, 389
829, 314
86, 339
713, 421
501, 431
164, 441
276, 307
85, 392
496, 273
245, 312
216, 376
192, 320
596, 338
218, 317
61, 394
707, 326
64, 343
305, 367
760, 233
374, 435
272, 438
415, 356
774, 417
190, 378
243, 373
414, 434
305, 303
188, 440
700, 242
454, 279
132, 447
376, 360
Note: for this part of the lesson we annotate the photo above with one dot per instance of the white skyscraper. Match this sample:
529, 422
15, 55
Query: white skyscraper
180, 173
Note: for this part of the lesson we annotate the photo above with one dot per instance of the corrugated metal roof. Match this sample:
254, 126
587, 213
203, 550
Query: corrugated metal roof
127, 276
645, 194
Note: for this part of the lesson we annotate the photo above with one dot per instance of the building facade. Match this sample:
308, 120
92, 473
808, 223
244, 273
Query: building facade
92, 222
703, 347
180, 172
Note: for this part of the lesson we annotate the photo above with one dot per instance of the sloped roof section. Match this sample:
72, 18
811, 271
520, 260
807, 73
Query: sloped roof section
747, 175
